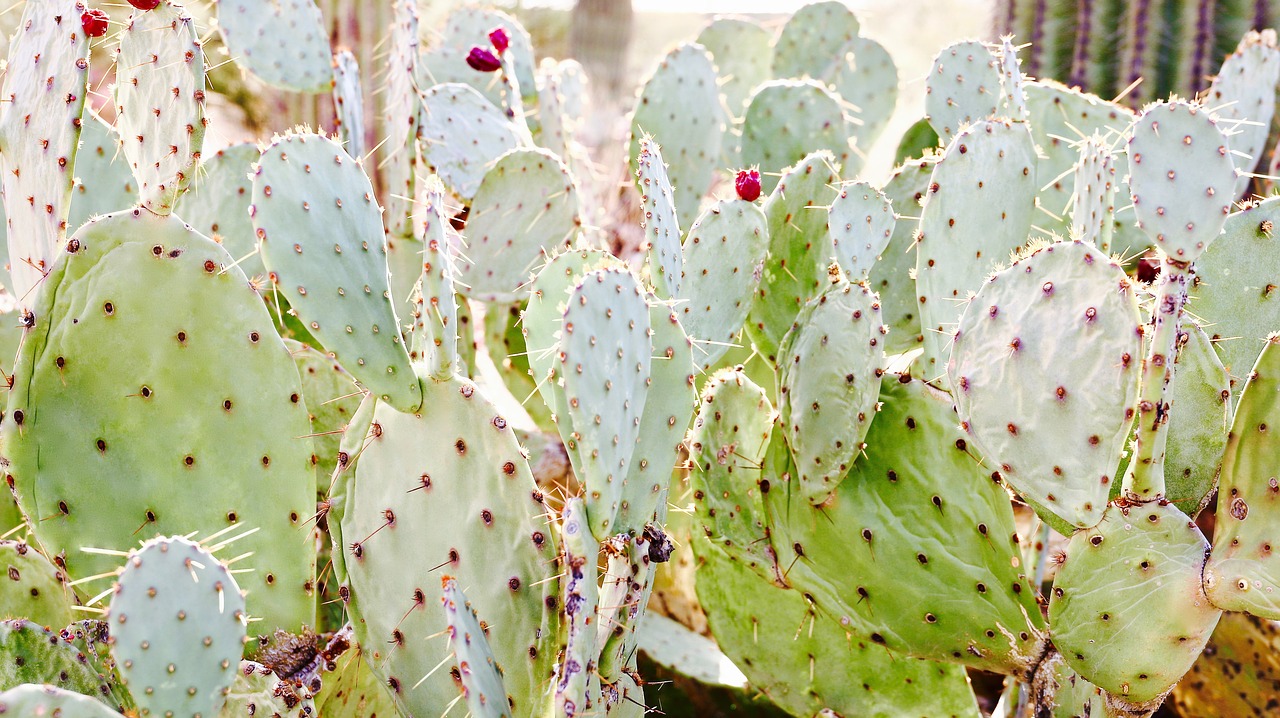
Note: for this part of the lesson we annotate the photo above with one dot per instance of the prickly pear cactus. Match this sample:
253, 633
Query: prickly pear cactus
44, 701
148, 376
743, 54
45, 88
219, 202
1151, 555
660, 223
1241, 99
866, 78
1238, 672
811, 39
258, 691
892, 276
325, 250
33, 654
160, 102
963, 88
282, 42
830, 365
462, 134
861, 220
332, 398
525, 209
33, 588
480, 674
1239, 574
104, 182
1093, 207
348, 102
1058, 331
786, 120
177, 623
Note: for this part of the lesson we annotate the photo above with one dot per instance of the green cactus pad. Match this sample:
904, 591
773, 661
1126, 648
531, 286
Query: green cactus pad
680, 108
1137, 632
480, 674
1060, 118
160, 405
257, 691
1199, 425
963, 88
33, 588
812, 38
659, 221
662, 425
526, 209
159, 98
576, 673
796, 268
1241, 572
325, 250
724, 255
865, 77
219, 202
282, 42
30, 653
352, 690
1237, 672
104, 183
44, 701
463, 133
504, 340
1181, 178
786, 121
460, 465
605, 355
893, 276
177, 622
332, 398
969, 227
829, 369
1059, 331
1239, 301
436, 328
806, 661
918, 141
916, 511
1241, 99
91, 638
727, 446
1014, 98
743, 53
348, 102
402, 112
45, 86
861, 221
1094, 206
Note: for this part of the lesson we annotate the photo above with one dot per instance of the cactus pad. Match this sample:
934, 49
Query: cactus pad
480, 674
325, 250
1241, 99
963, 88
743, 53
526, 209
30, 653
1058, 331
43, 701
660, 223
1094, 206
258, 691
861, 221
159, 100
812, 37
865, 77
348, 102
148, 378
1137, 632
33, 588
104, 182
177, 622
219, 201
787, 120
463, 133
282, 42
1181, 178
893, 276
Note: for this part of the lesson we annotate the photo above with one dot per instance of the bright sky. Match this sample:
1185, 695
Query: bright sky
738, 7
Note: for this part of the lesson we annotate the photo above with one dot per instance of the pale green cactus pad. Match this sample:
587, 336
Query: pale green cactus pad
282, 42
348, 102
1181, 177
829, 369
786, 121
1137, 632
40, 135
480, 674
43, 701
806, 661
1241, 99
917, 510
352, 690
605, 356
463, 133
159, 100
743, 53
659, 221
30, 653
257, 691
1241, 572
577, 681
470, 26
1093, 207
104, 183
864, 76
160, 405
979, 209
402, 112
323, 244
724, 255
1058, 331
177, 623
32, 587
963, 88
458, 464
892, 277
1198, 427
812, 38
680, 108
219, 202
796, 268
525, 210
332, 398
861, 221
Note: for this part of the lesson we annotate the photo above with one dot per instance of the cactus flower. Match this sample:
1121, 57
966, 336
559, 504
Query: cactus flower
748, 185
481, 60
95, 22
145, 4
498, 36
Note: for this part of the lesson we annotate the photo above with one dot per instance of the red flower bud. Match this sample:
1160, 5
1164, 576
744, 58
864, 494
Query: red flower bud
481, 60
94, 22
498, 37
748, 184
145, 4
